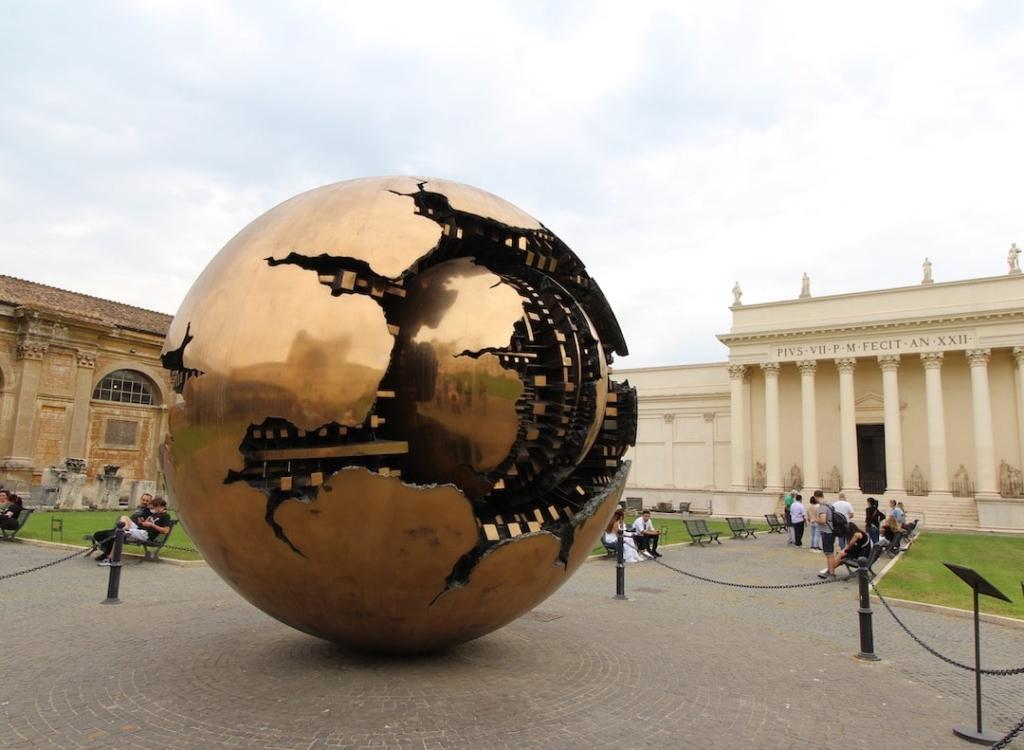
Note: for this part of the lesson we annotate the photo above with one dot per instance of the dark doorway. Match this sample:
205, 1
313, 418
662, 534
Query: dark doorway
871, 458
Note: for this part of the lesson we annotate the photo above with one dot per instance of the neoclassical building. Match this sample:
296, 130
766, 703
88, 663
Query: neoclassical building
80, 378
914, 393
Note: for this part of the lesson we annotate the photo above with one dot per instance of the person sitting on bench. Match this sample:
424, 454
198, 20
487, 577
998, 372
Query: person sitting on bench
858, 543
146, 530
143, 511
10, 509
646, 534
611, 538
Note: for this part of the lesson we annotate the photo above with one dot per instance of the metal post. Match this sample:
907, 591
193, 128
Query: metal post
978, 734
977, 659
114, 581
867, 635
620, 565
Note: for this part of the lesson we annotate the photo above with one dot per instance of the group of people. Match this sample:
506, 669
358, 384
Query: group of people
639, 540
833, 526
145, 524
10, 509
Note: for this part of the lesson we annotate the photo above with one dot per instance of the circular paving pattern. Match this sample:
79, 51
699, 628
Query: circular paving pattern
184, 663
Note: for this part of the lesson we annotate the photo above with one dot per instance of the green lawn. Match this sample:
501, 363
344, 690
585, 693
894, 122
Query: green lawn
921, 576
79, 523
675, 531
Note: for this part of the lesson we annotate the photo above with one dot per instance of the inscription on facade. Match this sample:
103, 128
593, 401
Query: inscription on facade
931, 342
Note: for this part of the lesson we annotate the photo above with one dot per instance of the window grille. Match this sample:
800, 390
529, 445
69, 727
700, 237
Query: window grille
125, 387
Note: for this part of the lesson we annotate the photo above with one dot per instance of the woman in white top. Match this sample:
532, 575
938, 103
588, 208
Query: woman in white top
611, 536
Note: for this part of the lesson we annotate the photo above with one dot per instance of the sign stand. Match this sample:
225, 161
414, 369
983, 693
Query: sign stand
979, 586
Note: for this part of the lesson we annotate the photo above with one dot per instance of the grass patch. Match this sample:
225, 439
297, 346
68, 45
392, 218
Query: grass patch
78, 523
922, 577
675, 532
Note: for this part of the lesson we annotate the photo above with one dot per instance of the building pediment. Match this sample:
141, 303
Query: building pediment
870, 408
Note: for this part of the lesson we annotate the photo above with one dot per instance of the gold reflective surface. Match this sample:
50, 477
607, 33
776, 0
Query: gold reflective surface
396, 427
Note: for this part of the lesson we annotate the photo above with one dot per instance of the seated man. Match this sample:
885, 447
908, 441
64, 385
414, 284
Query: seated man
10, 509
145, 530
143, 511
646, 535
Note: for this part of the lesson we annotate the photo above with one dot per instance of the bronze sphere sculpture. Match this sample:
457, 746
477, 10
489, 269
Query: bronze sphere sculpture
396, 427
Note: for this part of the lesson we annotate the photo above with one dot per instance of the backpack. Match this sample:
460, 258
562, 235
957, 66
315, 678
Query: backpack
839, 521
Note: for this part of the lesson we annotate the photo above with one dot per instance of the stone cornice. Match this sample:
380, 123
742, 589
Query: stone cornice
881, 292
731, 339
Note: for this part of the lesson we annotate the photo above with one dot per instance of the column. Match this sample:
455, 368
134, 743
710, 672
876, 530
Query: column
670, 469
848, 425
984, 445
1018, 381
938, 482
772, 449
812, 476
890, 364
30, 353
83, 395
738, 430
709, 450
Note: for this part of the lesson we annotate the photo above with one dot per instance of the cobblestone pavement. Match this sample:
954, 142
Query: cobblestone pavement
185, 663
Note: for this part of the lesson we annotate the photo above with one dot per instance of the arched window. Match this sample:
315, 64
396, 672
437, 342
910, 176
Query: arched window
126, 387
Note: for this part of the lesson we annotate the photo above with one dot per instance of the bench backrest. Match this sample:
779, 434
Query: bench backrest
735, 524
692, 527
23, 516
702, 527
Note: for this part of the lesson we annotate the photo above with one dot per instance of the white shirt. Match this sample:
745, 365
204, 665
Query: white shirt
640, 525
796, 512
843, 507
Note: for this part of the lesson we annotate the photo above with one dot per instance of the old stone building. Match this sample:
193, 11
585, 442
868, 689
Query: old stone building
914, 393
80, 379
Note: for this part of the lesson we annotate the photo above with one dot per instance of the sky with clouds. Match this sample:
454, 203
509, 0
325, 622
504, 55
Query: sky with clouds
676, 147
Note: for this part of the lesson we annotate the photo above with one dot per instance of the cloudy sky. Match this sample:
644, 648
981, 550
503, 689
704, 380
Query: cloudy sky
677, 147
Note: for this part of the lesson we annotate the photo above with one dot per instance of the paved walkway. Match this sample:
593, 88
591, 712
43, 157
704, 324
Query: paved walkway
185, 663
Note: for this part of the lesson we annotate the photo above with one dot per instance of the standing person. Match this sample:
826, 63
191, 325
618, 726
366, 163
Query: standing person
788, 502
812, 520
896, 511
10, 508
828, 538
646, 534
842, 506
873, 519
798, 516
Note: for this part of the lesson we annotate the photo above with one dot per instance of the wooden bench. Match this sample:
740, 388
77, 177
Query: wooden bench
150, 549
10, 534
698, 530
775, 524
740, 528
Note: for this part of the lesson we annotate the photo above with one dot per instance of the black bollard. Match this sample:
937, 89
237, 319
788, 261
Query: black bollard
114, 581
867, 635
620, 565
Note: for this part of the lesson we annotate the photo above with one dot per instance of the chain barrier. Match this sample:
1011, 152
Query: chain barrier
933, 652
772, 586
1008, 738
44, 565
